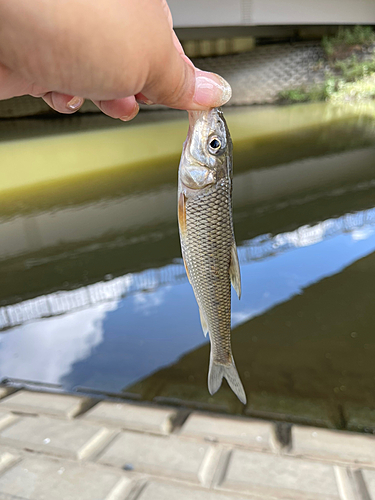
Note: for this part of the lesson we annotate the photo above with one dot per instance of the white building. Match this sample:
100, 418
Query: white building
206, 13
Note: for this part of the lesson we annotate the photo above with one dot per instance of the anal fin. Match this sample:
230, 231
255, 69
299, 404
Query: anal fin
203, 323
234, 270
186, 269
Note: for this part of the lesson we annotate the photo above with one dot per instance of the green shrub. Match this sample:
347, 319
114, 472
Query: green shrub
351, 69
312, 94
348, 77
348, 37
359, 91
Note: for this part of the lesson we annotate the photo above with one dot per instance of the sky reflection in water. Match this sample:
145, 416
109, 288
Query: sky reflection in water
111, 345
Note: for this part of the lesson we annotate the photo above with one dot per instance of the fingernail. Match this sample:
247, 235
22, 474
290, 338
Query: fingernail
211, 90
74, 103
126, 118
145, 101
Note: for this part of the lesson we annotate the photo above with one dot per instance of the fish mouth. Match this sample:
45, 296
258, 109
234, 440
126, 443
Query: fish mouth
206, 116
194, 116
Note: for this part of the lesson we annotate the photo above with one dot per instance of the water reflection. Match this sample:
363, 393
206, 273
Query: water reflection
146, 285
94, 298
130, 327
284, 275
45, 351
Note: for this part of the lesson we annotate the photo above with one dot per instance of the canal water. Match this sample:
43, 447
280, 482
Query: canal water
94, 296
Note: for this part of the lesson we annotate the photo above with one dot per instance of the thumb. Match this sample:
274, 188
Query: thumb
177, 83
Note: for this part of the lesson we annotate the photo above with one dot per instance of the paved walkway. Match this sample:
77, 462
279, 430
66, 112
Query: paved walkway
62, 447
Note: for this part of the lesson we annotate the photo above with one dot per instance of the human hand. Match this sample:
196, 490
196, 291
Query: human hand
114, 52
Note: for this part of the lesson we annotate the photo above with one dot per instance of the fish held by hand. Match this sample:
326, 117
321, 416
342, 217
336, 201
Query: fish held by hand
207, 237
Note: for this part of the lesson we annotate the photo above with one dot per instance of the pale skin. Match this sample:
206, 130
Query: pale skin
114, 52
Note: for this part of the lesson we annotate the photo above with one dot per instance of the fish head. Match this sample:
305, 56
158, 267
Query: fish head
207, 151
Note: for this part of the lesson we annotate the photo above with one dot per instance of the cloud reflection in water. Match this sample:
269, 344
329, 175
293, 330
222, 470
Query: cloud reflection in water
46, 350
111, 345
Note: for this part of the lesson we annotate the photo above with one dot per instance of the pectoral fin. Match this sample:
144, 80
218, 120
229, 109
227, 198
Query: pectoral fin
203, 323
182, 213
234, 270
182, 224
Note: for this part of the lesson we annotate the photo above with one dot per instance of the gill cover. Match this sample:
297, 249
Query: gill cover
195, 176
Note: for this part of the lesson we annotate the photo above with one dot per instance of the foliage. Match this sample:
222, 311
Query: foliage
361, 90
351, 69
346, 38
347, 76
305, 94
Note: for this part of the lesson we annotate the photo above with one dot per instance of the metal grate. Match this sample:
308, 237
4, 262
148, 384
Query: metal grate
256, 76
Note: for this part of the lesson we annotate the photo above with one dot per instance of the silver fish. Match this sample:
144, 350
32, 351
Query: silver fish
207, 238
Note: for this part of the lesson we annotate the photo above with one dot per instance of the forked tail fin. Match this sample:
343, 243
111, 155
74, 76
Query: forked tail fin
215, 376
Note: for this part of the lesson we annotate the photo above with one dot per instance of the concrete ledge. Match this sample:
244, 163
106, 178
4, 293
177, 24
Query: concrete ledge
54, 437
368, 478
7, 459
132, 417
159, 456
5, 391
237, 431
279, 477
165, 491
41, 478
59, 405
338, 446
80, 459
6, 418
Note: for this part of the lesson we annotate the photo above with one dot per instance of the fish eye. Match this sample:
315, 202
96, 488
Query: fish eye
214, 145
